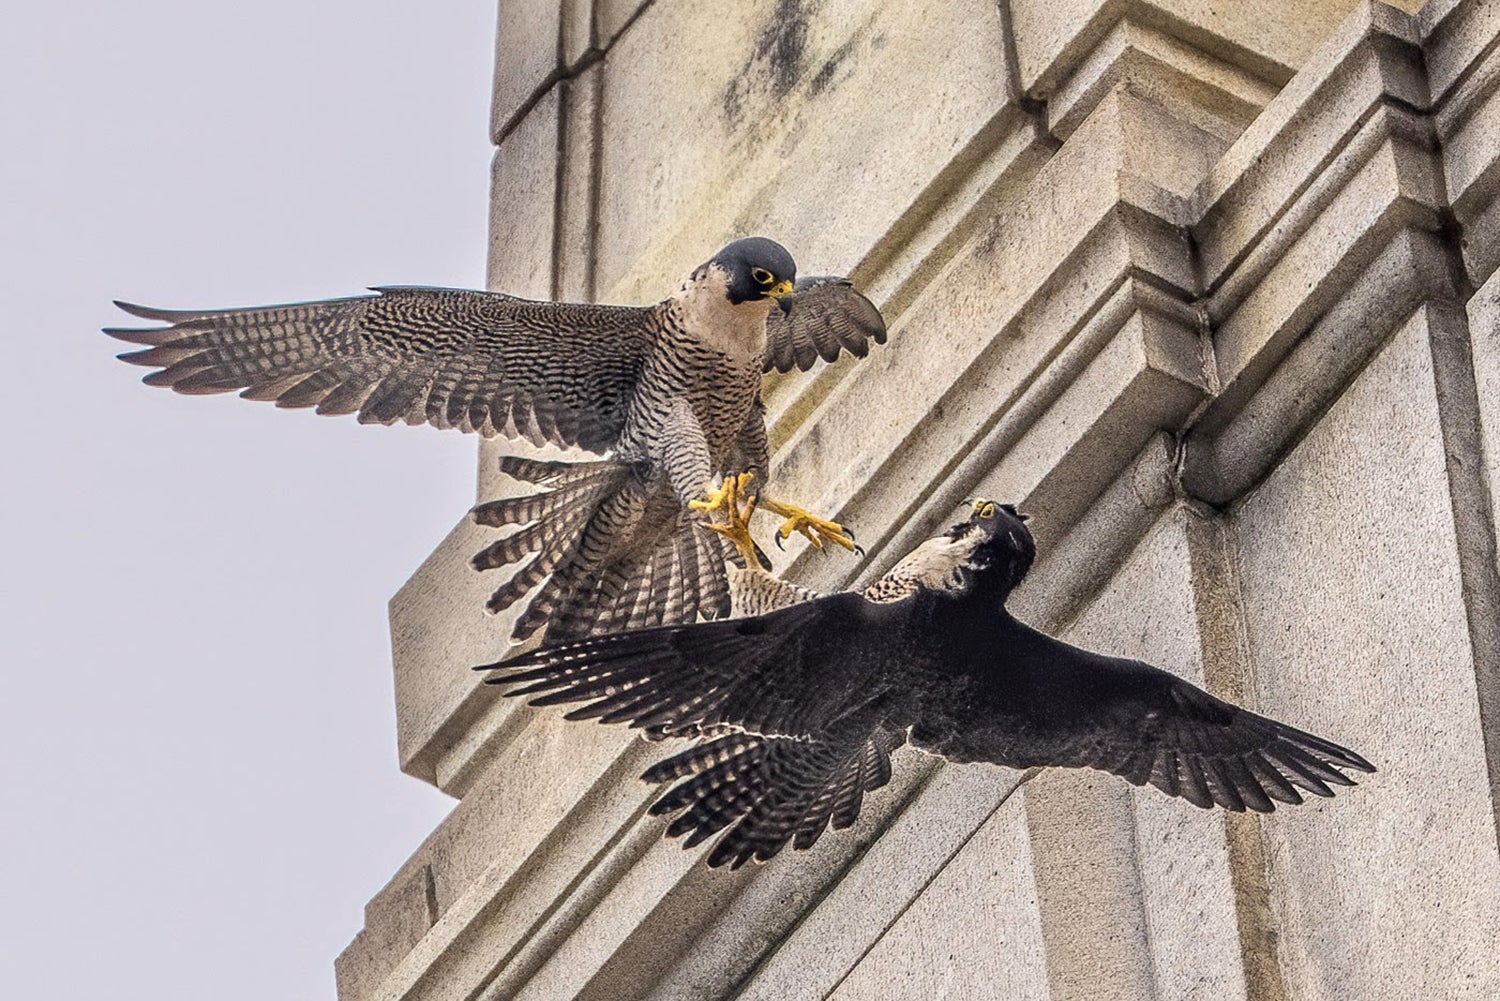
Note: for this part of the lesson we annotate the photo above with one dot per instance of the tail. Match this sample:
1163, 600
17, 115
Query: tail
611, 552
668, 580
772, 790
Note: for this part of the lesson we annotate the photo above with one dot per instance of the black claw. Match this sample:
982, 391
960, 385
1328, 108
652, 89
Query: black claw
777, 537
859, 551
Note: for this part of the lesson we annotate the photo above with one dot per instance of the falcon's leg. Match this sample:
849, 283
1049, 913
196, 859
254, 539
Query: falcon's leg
734, 501
817, 530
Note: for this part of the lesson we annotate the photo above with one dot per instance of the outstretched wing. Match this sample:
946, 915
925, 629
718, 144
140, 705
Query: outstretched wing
794, 672
479, 361
822, 317
771, 790
1141, 723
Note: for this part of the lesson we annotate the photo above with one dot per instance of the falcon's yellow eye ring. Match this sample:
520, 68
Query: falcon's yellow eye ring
762, 276
985, 509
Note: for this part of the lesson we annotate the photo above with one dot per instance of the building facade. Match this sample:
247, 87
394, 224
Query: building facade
1207, 288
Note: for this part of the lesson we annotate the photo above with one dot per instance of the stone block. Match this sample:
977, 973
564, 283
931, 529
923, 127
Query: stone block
523, 203
793, 123
1218, 98
1481, 244
1395, 189
1149, 377
578, 186
1076, 567
1268, 37
439, 631
1468, 127
578, 32
1357, 631
612, 17
1461, 361
972, 934
533, 847
1301, 151
360, 968
869, 898
396, 919
1456, 33
1088, 886
528, 58
549, 766
1484, 334
1163, 606
449, 726
1230, 450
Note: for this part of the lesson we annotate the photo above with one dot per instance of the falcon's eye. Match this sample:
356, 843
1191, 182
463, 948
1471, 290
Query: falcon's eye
762, 276
985, 509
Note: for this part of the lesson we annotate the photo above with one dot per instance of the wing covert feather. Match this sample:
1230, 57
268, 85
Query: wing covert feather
821, 318
791, 672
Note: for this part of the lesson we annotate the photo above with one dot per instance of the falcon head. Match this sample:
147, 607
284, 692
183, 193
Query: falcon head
991, 551
755, 269
1000, 547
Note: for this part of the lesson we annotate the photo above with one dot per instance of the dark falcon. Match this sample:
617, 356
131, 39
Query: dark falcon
803, 705
669, 394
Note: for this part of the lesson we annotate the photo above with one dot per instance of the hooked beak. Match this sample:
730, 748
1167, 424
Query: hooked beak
986, 509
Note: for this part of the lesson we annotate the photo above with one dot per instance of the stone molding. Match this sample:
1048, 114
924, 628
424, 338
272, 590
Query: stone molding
1140, 261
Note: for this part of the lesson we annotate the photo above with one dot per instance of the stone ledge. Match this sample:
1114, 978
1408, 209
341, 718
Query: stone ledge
1219, 98
1305, 137
1224, 461
1456, 36
533, 921
1304, 276
1035, 303
1263, 37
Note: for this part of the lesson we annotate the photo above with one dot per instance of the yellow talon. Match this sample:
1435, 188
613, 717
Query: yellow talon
725, 497
735, 527
816, 530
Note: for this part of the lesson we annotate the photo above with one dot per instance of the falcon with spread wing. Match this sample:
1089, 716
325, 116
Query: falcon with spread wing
669, 394
802, 705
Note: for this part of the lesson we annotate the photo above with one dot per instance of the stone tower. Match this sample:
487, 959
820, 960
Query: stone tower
1210, 289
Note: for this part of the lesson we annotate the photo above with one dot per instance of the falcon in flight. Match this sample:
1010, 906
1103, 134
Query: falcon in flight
667, 394
802, 705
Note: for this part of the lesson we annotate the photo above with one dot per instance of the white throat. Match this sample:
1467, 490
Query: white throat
738, 331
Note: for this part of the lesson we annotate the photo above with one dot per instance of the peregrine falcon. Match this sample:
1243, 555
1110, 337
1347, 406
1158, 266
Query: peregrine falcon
669, 394
802, 705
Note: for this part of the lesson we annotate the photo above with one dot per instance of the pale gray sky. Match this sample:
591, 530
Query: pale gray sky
199, 776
